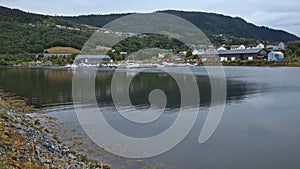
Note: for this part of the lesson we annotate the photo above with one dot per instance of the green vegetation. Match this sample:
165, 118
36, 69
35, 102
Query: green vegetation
130, 44
292, 63
21, 38
134, 44
95, 20
25, 36
15, 15
62, 60
21, 42
3, 166
294, 48
236, 27
18, 58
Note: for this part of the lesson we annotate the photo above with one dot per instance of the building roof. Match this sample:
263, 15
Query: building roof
230, 52
276, 52
92, 57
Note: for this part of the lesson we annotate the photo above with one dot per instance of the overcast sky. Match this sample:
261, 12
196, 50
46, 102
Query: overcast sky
278, 14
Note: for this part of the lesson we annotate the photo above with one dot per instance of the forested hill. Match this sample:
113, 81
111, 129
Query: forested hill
221, 24
209, 23
15, 15
27, 34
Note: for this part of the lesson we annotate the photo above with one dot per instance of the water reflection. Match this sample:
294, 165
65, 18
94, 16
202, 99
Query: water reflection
259, 128
52, 87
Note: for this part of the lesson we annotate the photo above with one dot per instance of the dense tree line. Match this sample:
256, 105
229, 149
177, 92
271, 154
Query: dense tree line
294, 48
17, 58
21, 38
24, 35
15, 15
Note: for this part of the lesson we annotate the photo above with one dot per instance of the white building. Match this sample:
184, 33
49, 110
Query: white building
275, 56
221, 48
238, 47
195, 52
260, 46
280, 46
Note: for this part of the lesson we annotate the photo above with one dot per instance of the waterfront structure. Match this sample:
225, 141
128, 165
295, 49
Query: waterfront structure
91, 59
275, 56
241, 54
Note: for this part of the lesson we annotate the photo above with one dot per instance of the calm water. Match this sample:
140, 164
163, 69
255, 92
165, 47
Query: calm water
260, 127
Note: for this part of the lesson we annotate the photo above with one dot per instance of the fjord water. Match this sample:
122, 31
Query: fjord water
260, 126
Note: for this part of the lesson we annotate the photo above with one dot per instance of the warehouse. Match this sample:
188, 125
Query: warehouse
241, 54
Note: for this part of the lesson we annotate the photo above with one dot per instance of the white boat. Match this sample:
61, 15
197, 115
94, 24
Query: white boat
132, 66
70, 66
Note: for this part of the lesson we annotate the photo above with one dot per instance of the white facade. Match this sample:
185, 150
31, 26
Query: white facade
195, 52
238, 47
242, 47
221, 48
260, 46
161, 55
280, 46
223, 58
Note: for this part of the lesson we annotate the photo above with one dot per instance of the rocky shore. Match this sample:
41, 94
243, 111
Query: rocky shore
25, 143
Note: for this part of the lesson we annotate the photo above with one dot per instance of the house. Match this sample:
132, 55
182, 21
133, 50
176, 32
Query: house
167, 60
161, 55
182, 53
195, 52
174, 59
178, 59
275, 56
280, 46
122, 55
260, 46
241, 54
91, 59
238, 47
221, 48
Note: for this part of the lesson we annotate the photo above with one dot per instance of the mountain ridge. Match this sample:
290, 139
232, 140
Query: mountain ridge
209, 23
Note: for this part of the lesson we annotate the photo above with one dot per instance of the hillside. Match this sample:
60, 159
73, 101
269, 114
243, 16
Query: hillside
209, 23
23, 35
15, 15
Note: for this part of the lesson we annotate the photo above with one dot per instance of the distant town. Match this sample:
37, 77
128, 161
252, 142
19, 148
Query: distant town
191, 57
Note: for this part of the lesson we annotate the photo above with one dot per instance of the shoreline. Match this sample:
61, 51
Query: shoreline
262, 63
25, 143
241, 63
